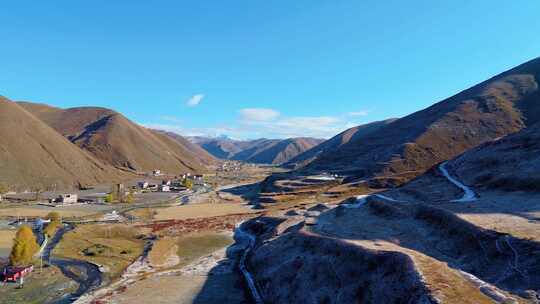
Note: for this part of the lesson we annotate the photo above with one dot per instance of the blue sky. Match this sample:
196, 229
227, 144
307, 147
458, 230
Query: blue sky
259, 68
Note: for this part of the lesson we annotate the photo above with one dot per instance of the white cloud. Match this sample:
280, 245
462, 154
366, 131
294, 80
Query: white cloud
359, 113
195, 100
171, 119
258, 114
301, 126
268, 123
209, 132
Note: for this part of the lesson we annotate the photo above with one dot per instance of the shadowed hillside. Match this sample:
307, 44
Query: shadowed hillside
511, 163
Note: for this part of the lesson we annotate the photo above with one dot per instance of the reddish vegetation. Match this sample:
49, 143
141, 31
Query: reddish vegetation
215, 223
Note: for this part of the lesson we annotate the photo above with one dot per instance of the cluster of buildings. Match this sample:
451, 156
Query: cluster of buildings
230, 166
178, 183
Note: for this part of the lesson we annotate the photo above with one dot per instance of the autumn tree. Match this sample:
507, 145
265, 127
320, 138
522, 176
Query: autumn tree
129, 198
54, 216
53, 225
24, 247
109, 198
187, 183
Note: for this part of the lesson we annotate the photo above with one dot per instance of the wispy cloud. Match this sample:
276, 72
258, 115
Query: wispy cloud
269, 123
299, 126
171, 119
258, 114
358, 113
195, 100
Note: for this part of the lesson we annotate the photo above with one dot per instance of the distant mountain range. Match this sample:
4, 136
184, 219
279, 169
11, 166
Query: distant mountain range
40, 144
265, 151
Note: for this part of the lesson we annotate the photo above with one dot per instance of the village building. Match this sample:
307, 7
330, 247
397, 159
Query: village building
143, 184
65, 199
164, 188
112, 216
16, 273
119, 192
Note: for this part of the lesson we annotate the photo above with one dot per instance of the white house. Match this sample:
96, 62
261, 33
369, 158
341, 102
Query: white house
67, 199
164, 188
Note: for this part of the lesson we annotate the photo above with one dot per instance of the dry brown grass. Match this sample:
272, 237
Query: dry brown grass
38, 212
196, 245
6, 242
162, 251
115, 246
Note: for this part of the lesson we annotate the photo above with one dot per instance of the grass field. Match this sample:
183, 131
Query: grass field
162, 251
41, 212
6, 242
199, 211
194, 246
143, 213
112, 245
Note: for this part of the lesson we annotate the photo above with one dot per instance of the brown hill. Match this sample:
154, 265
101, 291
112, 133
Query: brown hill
409, 146
116, 140
337, 141
272, 151
201, 154
222, 148
32, 154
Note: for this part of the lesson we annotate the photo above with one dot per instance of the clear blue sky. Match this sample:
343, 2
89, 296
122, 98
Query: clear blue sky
259, 68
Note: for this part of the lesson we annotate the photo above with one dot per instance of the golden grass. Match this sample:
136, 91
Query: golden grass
37, 212
112, 245
6, 242
143, 213
199, 211
194, 246
162, 250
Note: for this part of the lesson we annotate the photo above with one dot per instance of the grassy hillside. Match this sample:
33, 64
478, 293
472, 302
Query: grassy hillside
32, 154
117, 141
